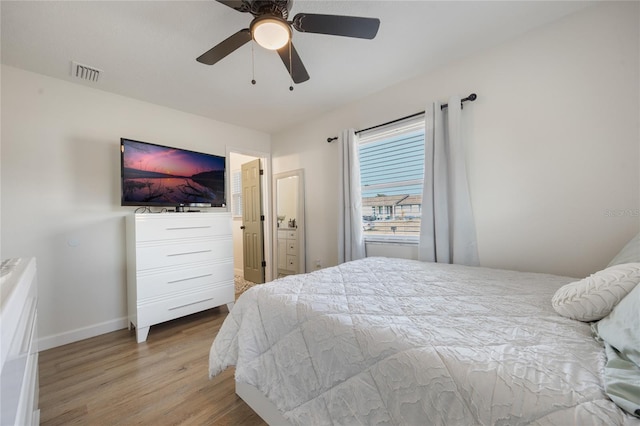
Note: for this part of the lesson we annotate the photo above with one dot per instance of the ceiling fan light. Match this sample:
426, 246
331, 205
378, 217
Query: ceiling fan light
271, 33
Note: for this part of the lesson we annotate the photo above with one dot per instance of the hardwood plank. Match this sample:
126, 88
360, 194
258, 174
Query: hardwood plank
111, 379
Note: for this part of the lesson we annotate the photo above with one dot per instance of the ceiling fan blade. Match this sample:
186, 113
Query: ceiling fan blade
297, 70
346, 26
238, 5
226, 47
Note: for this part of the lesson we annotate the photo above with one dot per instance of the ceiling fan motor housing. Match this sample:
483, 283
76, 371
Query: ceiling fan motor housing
278, 8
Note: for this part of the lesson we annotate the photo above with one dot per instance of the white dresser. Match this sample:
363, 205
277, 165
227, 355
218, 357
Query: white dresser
288, 251
18, 347
177, 264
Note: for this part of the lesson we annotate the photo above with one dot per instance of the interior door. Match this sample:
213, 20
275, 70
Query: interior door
252, 222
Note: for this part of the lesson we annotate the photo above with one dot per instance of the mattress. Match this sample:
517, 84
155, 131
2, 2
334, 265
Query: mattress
402, 342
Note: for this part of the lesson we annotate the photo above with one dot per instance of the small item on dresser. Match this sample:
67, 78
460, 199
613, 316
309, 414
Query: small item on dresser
6, 268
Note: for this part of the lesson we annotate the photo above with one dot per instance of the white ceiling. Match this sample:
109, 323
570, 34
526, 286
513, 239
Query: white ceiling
147, 50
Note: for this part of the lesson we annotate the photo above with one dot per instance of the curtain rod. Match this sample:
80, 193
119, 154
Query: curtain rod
472, 97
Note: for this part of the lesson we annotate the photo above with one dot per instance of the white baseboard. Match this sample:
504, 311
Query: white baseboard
48, 342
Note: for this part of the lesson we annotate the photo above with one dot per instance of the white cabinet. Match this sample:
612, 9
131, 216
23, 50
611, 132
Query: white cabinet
177, 264
18, 347
282, 253
288, 251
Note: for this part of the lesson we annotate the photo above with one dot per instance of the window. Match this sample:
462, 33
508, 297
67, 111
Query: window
236, 193
391, 174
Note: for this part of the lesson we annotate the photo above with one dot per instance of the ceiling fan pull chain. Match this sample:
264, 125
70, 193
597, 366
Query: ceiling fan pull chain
253, 66
290, 67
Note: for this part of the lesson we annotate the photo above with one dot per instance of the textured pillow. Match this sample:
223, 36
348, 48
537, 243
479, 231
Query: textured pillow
629, 253
594, 297
620, 330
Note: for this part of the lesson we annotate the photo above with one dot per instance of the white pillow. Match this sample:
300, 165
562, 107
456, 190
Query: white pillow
594, 297
620, 331
629, 253
621, 328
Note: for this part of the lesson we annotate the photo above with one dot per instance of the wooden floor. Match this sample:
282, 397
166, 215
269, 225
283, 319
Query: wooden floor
112, 380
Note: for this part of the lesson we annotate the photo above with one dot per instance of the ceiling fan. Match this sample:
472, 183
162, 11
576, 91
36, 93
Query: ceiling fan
271, 30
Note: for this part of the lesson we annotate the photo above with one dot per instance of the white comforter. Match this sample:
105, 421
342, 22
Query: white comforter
390, 341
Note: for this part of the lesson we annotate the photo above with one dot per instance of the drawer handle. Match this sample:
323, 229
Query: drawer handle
187, 227
187, 279
189, 304
188, 252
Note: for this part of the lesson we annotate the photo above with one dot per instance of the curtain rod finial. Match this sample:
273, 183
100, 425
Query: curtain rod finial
329, 140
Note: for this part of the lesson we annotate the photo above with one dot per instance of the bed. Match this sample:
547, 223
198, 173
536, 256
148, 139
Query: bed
403, 342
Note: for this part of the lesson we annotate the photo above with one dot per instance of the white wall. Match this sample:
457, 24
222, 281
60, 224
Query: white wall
61, 191
555, 145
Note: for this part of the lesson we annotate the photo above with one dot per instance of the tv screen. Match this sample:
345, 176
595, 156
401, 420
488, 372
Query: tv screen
156, 175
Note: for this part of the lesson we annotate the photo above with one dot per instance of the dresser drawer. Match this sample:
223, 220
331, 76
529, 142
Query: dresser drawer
169, 281
291, 235
167, 226
149, 256
292, 263
185, 304
292, 247
282, 233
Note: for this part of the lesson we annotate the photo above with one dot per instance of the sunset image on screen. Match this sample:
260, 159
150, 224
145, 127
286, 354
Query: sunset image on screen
154, 174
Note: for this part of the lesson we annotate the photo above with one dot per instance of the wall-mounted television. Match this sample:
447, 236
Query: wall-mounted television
157, 175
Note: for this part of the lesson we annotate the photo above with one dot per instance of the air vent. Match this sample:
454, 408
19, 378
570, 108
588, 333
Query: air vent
85, 72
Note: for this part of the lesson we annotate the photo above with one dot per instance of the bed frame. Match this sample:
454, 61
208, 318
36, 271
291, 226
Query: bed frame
260, 404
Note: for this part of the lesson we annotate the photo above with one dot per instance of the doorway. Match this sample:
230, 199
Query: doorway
237, 158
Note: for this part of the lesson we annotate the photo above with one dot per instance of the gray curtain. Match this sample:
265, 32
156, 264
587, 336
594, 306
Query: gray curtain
350, 233
447, 231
